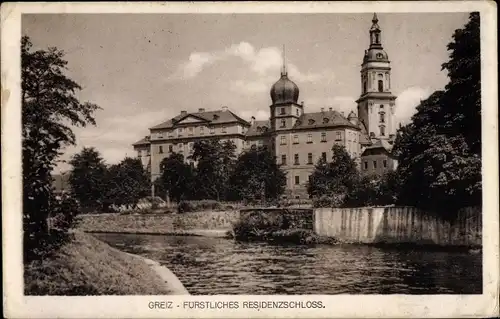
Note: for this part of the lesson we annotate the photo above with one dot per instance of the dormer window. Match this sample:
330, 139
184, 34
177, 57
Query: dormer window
326, 120
259, 129
311, 122
216, 117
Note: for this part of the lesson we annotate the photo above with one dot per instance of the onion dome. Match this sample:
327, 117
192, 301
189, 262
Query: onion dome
284, 91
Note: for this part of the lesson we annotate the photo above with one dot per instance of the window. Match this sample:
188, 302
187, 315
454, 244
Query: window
311, 121
326, 120
382, 117
375, 164
191, 129
190, 146
377, 38
297, 111
201, 130
223, 129
282, 110
295, 139
309, 158
181, 147
160, 149
212, 130
283, 123
364, 87
297, 180
283, 140
170, 149
382, 130
385, 163
260, 143
338, 136
283, 159
309, 138
366, 165
160, 135
296, 159
323, 156
380, 85
381, 107
179, 131
323, 137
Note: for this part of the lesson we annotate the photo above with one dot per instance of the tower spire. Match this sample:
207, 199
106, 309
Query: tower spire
283, 68
375, 19
375, 33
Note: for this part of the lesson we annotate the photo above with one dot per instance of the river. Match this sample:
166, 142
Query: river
209, 266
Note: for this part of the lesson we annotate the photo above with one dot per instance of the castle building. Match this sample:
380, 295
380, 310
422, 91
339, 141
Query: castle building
298, 139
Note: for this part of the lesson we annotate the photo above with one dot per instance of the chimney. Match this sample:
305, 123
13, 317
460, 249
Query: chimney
184, 112
252, 120
322, 109
331, 109
201, 110
224, 108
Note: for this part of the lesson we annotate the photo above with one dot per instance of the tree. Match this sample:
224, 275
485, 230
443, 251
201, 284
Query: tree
49, 109
215, 161
256, 175
439, 152
374, 190
127, 183
333, 180
176, 177
89, 179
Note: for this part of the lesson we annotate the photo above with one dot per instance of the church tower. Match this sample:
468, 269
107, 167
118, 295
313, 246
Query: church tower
376, 106
284, 96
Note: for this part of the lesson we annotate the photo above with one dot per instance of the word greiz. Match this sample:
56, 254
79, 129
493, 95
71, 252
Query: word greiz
238, 304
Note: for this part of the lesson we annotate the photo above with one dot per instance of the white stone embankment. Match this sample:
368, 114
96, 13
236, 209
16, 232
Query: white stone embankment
169, 278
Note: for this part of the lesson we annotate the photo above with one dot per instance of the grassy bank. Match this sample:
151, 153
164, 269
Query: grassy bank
87, 266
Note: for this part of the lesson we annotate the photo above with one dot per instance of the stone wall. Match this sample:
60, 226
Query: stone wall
398, 225
158, 223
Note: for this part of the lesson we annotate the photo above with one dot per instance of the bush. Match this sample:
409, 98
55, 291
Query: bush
333, 200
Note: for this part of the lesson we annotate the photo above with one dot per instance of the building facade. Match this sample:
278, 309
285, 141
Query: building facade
298, 139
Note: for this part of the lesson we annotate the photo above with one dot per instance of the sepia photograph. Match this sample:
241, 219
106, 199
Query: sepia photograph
233, 153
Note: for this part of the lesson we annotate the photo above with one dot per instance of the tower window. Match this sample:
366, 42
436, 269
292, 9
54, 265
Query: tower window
283, 123
297, 180
309, 158
160, 149
283, 159
323, 137
309, 138
283, 140
364, 87
382, 130
295, 139
297, 111
282, 110
377, 38
296, 159
380, 85
382, 117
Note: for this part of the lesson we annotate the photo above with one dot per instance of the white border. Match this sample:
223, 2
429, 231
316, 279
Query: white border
339, 306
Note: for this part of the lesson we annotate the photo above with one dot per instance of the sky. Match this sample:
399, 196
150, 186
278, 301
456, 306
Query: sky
143, 69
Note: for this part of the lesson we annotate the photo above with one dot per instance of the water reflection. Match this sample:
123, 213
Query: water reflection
221, 266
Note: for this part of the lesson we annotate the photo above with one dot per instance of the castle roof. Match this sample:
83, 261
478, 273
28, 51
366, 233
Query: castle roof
258, 128
209, 117
322, 120
144, 141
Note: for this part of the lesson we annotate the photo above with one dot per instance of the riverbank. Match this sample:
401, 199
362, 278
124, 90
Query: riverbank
87, 266
207, 223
